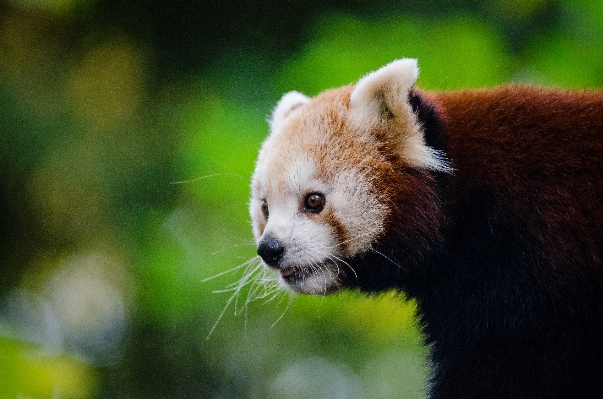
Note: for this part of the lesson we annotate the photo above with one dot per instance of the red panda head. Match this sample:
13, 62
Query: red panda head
335, 173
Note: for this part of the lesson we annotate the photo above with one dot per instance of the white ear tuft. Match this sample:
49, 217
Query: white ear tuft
381, 99
383, 94
286, 104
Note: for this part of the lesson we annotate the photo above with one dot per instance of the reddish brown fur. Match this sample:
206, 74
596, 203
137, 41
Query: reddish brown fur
527, 163
540, 148
505, 254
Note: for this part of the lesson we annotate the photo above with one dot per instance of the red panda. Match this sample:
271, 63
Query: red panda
486, 206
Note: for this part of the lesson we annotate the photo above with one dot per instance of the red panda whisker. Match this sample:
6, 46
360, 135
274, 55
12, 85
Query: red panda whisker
350, 240
284, 312
228, 302
319, 270
207, 177
337, 260
234, 269
256, 277
385, 257
246, 243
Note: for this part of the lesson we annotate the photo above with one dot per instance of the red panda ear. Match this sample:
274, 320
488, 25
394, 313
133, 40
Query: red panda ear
383, 94
380, 99
286, 104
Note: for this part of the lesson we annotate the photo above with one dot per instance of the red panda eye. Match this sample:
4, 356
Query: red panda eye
314, 202
265, 208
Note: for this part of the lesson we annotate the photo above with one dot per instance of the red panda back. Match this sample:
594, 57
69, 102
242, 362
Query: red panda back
524, 268
540, 151
518, 133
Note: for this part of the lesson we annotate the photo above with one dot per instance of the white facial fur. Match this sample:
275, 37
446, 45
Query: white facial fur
326, 145
312, 241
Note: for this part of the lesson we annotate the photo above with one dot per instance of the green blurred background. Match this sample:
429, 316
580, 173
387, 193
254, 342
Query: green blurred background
128, 133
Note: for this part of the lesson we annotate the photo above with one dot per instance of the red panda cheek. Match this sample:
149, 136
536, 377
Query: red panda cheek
261, 228
338, 229
259, 223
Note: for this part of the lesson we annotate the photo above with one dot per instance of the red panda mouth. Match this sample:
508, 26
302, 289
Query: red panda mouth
292, 274
316, 278
287, 271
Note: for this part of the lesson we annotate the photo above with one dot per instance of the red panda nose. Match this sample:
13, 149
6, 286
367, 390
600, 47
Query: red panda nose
271, 250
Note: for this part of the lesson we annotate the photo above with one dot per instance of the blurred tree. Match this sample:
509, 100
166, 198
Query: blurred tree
128, 132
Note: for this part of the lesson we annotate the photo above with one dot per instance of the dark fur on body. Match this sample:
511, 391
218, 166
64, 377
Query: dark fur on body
504, 255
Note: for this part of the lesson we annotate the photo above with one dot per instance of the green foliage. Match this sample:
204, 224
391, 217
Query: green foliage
573, 56
453, 53
28, 372
103, 154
